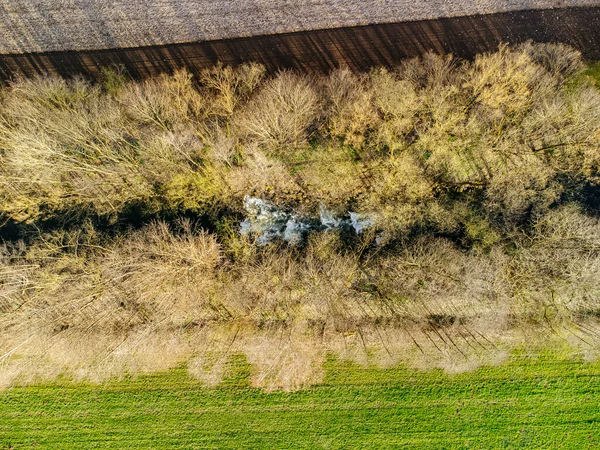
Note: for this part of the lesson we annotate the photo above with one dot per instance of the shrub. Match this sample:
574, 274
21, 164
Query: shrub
349, 107
480, 180
231, 86
281, 112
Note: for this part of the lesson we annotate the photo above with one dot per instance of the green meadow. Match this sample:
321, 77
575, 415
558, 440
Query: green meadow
543, 403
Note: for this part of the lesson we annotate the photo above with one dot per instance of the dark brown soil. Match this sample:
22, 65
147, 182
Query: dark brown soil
359, 48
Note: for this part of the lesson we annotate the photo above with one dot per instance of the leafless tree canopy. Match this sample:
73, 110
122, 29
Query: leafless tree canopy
121, 203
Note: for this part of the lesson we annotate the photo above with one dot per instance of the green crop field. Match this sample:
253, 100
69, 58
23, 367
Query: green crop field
544, 403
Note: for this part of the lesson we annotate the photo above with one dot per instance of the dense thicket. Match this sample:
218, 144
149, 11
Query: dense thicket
121, 205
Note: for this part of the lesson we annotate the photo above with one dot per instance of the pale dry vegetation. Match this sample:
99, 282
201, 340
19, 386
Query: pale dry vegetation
120, 207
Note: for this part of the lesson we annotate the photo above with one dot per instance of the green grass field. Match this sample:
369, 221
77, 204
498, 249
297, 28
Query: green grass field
525, 404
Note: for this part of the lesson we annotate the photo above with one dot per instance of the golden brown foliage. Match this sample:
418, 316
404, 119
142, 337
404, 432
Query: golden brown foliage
481, 179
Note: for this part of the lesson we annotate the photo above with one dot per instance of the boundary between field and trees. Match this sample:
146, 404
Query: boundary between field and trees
358, 48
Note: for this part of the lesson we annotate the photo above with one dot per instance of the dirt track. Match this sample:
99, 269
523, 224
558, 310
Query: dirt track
357, 47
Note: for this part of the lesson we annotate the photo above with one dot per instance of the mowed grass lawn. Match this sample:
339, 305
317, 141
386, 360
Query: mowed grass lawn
523, 404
